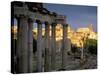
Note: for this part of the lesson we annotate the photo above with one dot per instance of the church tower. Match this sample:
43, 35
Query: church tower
90, 27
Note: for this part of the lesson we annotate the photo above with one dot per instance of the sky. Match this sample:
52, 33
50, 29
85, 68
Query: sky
77, 16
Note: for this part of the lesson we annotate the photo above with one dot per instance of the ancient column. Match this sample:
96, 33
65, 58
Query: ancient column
39, 46
30, 45
47, 47
53, 45
22, 45
64, 47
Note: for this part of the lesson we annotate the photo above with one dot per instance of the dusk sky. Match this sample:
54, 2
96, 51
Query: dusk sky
77, 16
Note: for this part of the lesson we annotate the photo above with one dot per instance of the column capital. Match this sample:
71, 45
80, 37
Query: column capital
46, 23
66, 25
21, 16
38, 21
30, 20
53, 24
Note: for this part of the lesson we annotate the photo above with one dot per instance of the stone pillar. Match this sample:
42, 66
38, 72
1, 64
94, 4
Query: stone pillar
47, 47
64, 49
53, 46
30, 45
22, 45
39, 46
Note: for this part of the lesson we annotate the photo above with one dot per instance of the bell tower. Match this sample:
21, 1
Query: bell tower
90, 27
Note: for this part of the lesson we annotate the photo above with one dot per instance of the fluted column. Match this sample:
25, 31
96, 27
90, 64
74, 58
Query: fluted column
47, 47
22, 46
64, 49
53, 45
39, 46
30, 45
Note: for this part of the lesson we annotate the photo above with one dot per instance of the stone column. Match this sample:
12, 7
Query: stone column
47, 47
53, 45
64, 49
22, 45
30, 45
39, 46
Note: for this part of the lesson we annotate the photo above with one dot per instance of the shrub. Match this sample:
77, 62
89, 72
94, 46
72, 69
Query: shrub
91, 45
74, 48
